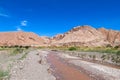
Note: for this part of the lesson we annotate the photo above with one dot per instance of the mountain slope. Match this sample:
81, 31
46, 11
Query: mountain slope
78, 36
87, 36
112, 36
20, 38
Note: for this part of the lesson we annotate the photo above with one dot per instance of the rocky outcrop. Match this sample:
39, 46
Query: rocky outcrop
20, 38
47, 40
87, 36
112, 36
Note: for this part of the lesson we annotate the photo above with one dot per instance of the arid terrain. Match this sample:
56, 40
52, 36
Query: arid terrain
78, 36
56, 65
83, 53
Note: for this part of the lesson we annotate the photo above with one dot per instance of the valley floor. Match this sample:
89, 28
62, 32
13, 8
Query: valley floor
52, 65
33, 67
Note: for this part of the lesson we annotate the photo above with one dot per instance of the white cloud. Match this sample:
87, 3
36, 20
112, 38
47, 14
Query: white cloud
24, 23
19, 29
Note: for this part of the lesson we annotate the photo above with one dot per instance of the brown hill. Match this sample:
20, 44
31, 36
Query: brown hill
78, 36
87, 36
20, 38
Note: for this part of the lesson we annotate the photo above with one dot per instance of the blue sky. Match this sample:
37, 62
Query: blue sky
50, 17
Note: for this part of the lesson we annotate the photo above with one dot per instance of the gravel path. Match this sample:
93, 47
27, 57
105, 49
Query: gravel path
104, 72
33, 67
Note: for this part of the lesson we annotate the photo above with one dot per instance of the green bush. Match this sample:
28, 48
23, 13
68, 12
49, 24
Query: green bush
72, 49
27, 47
118, 53
116, 47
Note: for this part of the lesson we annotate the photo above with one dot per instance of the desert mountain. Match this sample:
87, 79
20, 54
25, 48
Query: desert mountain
112, 36
87, 36
78, 36
20, 38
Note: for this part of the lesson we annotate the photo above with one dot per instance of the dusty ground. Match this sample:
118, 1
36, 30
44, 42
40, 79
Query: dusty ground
33, 67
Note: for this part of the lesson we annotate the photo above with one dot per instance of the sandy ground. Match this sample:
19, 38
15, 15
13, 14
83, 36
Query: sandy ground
33, 67
104, 72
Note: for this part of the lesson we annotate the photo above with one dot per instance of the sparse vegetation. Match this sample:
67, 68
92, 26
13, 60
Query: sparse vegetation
4, 74
10, 54
94, 57
16, 51
104, 54
23, 56
111, 50
103, 57
72, 49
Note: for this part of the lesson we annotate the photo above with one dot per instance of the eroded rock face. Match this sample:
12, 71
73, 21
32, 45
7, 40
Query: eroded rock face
20, 38
81, 36
113, 37
58, 37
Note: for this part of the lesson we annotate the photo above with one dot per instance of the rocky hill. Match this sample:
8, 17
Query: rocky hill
78, 36
20, 38
112, 36
87, 36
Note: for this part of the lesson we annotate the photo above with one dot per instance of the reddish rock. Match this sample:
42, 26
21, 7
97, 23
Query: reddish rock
20, 38
112, 36
78, 36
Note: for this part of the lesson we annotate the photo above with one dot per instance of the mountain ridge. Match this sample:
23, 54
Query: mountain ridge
78, 36
81, 35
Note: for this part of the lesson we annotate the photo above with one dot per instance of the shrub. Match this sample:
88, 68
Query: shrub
103, 57
26, 47
94, 57
109, 45
72, 49
23, 56
116, 47
115, 58
118, 53
17, 51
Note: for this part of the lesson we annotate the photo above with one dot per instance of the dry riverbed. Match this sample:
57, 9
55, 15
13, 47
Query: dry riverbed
53, 65
94, 70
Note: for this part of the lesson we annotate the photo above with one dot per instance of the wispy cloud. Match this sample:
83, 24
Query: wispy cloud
3, 13
19, 29
22, 24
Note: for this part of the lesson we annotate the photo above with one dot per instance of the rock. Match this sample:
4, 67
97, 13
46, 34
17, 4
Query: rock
112, 36
80, 36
